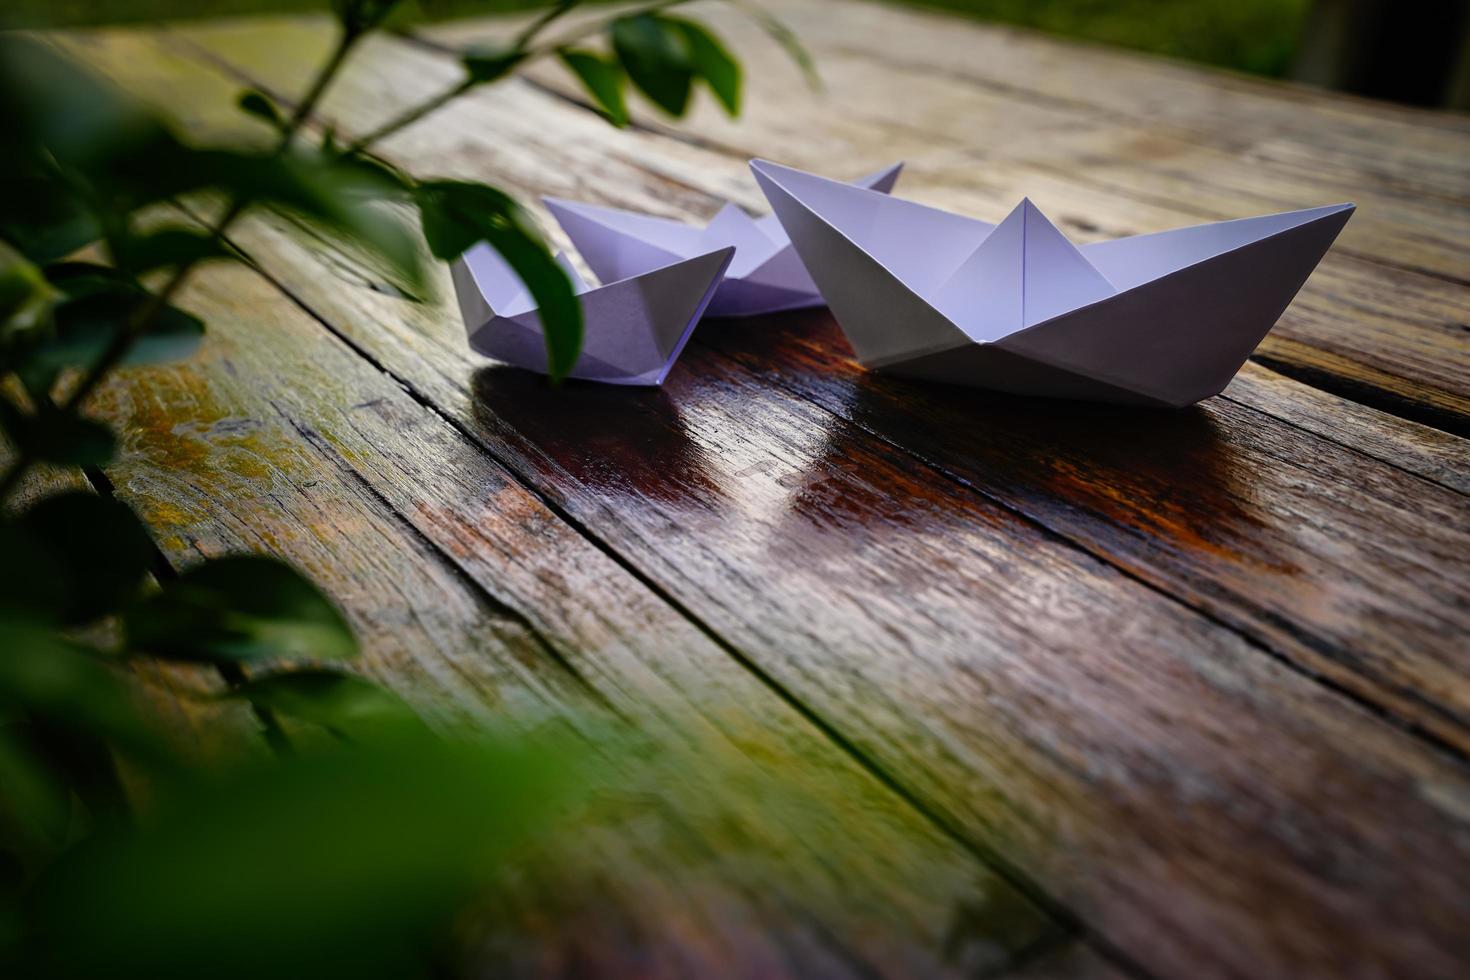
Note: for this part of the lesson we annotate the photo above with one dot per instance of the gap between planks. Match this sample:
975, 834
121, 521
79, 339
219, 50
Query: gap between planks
1384, 712
1004, 868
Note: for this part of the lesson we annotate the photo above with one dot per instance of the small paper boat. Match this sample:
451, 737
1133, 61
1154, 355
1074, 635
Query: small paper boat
1162, 319
766, 275
636, 324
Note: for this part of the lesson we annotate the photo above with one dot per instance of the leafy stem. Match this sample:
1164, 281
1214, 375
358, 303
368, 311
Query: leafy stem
139, 322
520, 51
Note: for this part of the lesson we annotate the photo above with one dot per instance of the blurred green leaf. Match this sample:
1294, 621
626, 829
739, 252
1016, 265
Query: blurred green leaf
711, 61
458, 215
343, 196
602, 79
79, 278
348, 705
656, 57
44, 219
71, 137
168, 247
787, 39
245, 607
86, 325
95, 546
56, 113
256, 103
30, 794
26, 299
332, 865
358, 16
32, 578
487, 64
53, 436
47, 677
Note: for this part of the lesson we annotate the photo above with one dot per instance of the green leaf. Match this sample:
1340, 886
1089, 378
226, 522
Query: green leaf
458, 215
246, 607
44, 219
345, 865
33, 798
32, 577
712, 62
603, 80
360, 16
55, 113
489, 64
656, 57
53, 436
787, 39
47, 677
256, 103
26, 299
86, 325
343, 703
346, 197
94, 546
169, 247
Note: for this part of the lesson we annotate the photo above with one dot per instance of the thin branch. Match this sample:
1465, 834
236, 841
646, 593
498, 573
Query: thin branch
409, 117
521, 46
598, 26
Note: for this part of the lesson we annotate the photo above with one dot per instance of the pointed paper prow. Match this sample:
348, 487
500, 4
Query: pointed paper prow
732, 226
881, 181
618, 244
1056, 277
918, 244
1132, 261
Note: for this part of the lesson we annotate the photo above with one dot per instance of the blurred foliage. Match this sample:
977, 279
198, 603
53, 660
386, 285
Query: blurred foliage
1248, 35
338, 863
1258, 36
76, 13
343, 861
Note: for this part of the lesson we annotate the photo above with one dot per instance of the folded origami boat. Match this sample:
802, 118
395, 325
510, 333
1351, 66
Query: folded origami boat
636, 323
766, 275
1161, 319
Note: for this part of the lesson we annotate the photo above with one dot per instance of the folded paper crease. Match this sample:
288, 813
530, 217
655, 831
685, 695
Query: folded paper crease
1161, 319
636, 324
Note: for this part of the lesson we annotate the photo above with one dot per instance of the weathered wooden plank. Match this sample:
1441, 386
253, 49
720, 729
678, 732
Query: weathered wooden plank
1147, 765
280, 437
1393, 317
1414, 448
1106, 177
1393, 646
1282, 125
895, 607
1346, 566
764, 849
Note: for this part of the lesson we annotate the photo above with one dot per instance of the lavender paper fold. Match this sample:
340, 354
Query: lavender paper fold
765, 276
635, 325
1162, 319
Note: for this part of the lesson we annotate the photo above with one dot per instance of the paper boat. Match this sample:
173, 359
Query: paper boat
636, 324
766, 275
1162, 319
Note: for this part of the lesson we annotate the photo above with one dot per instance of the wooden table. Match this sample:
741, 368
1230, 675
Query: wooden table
1057, 689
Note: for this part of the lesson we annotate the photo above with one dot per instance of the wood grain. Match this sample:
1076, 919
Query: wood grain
1349, 605
744, 841
1203, 807
1384, 317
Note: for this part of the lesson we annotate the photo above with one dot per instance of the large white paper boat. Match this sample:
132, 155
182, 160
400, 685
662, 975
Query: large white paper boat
766, 276
1161, 319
